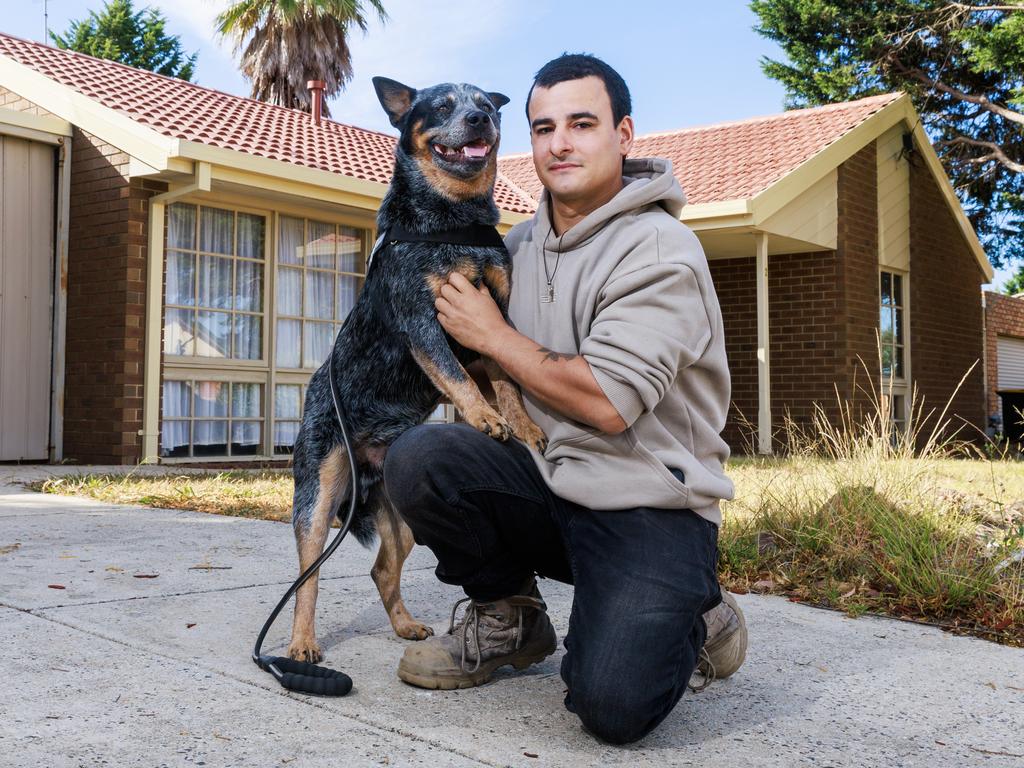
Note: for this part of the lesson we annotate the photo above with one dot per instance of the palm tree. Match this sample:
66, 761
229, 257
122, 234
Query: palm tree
285, 43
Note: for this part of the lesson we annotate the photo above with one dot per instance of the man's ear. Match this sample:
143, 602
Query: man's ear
499, 100
396, 98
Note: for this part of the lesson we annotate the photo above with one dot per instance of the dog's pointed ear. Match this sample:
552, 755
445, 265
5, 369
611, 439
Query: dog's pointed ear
499, 100
396, 98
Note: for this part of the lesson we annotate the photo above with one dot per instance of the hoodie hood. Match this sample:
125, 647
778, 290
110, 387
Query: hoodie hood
647, 181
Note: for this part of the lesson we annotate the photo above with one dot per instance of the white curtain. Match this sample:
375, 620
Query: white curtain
319, 295
317, 340
174, 434
178, 332
321, 246
181, 272
217, 230
210, 400
290, 240
287, 401
289, 343
251, 236
348, 289
350, 250
181, 226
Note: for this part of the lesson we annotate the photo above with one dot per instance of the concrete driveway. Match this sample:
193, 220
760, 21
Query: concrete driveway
126, 634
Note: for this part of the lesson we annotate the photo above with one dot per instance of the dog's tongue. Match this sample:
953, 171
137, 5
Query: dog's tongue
475, 150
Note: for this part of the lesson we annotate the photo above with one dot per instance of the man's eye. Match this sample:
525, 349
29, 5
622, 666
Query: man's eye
584, 125
543, 130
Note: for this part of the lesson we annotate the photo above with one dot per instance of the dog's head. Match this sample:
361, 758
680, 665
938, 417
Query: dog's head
450, 131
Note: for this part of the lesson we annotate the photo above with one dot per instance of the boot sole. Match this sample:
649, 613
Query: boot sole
522, 660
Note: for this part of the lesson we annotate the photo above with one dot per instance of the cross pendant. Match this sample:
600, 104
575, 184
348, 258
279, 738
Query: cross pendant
548, 297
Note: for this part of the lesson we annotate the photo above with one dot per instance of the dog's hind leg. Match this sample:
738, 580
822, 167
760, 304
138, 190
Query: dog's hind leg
395, 544
317, 496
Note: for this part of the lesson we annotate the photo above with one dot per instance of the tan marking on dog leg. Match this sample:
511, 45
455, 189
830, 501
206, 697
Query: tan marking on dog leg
496, 278
395, 544
465, 395
466, 268
333, 476
510, 404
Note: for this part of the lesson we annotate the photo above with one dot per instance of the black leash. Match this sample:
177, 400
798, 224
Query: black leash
302, 676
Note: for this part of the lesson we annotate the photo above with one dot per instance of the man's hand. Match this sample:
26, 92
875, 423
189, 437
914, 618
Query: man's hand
468, 314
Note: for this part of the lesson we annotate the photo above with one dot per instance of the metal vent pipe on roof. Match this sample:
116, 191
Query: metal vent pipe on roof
316, 88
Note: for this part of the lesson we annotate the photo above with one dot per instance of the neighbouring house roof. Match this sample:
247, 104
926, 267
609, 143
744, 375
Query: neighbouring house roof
737, 160
181, 110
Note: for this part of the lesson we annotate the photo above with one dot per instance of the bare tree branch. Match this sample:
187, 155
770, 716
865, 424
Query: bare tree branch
995, 153
982, 101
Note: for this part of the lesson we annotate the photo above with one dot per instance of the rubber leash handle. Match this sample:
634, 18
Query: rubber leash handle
308, 678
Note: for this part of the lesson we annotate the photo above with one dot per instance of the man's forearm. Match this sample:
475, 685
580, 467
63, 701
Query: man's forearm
561, 381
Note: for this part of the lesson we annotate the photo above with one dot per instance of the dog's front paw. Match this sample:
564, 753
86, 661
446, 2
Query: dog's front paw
532, 435
490, 422
305, 649
410, 629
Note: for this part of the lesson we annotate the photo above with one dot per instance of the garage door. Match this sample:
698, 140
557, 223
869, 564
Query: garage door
27, 207
1010, 357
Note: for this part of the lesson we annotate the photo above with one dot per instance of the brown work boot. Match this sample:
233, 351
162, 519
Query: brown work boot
514, 630
726, 645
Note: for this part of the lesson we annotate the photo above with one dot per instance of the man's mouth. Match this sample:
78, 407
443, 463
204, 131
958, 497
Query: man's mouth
474, 150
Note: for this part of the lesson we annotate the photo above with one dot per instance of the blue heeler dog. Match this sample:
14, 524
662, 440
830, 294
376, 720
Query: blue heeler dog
392, 360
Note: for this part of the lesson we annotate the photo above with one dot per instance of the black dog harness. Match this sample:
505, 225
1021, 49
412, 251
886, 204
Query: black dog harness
478, 235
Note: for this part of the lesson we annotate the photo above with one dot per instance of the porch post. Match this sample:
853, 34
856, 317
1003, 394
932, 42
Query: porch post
764, 410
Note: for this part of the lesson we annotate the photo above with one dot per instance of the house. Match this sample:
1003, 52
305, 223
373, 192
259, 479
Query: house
199, 251
838, 248
1004, 363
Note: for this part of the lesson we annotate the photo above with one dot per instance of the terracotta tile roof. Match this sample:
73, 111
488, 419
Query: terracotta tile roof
734, 161
183, 110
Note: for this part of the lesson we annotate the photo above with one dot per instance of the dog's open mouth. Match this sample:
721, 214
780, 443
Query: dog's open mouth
474, 150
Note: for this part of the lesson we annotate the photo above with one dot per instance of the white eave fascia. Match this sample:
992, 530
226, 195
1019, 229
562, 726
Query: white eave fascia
121, 131
724, 213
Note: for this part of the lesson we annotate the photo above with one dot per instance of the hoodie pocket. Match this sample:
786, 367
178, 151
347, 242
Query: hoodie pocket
640, 450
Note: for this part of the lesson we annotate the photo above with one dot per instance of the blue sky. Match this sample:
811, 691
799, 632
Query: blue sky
687, 63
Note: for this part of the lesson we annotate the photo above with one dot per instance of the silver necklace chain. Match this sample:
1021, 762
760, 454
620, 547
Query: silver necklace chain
549, 296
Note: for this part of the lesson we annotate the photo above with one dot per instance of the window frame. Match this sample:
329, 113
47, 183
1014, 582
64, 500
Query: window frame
893, 386
263, 371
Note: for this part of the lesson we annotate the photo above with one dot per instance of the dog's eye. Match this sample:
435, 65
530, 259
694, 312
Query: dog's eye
444, 109
486, 107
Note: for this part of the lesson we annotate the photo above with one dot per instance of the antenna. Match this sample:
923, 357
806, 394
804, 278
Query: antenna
46, 22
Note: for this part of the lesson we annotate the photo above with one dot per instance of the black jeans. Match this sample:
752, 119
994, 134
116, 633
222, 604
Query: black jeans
642, 576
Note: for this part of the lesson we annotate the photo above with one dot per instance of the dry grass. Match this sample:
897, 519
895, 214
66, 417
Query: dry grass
863, 518
262, 495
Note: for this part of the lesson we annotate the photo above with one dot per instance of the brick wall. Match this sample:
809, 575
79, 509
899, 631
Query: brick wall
945, 308
1004, 316
857, 298
105, 301
804, 329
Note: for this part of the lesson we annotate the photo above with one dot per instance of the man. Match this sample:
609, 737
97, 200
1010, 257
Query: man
617, 345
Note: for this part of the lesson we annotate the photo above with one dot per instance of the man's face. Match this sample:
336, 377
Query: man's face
577, 147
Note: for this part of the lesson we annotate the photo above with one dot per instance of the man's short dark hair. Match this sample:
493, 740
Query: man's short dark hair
573, 66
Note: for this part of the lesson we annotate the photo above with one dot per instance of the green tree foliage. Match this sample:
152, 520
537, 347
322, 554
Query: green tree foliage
285, 43
1015, 284
961, 63
136, 38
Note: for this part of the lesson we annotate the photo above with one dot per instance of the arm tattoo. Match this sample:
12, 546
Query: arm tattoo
549, 355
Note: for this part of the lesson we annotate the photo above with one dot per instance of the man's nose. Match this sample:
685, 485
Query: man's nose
477, 117
560, 142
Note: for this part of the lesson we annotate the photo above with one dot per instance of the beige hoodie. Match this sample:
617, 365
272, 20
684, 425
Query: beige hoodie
633, 296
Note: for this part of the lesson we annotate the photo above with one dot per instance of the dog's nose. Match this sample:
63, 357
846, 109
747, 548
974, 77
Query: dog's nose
476, 117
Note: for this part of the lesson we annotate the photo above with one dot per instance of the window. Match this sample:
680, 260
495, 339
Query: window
214, 294
211, 418
891, 326
319, 274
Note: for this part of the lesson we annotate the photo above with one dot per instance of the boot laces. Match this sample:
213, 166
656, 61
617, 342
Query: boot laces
477, 613
708, 673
